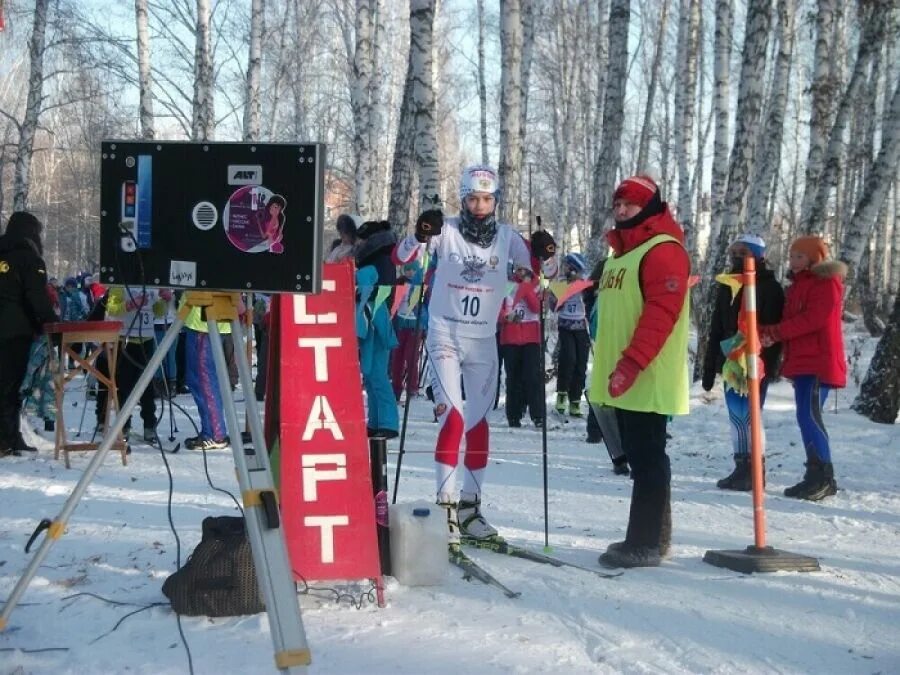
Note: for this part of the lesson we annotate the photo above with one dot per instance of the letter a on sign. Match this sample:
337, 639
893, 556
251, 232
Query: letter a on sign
326, 490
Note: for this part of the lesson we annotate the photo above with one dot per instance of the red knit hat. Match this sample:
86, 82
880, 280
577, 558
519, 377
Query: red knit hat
637, 190
812, 247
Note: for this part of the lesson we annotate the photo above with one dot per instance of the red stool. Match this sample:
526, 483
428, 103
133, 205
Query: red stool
105, 334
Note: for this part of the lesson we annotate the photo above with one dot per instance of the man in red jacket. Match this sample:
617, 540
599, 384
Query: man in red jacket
640, 358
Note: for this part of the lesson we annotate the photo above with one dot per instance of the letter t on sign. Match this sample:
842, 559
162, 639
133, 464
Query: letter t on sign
302, 318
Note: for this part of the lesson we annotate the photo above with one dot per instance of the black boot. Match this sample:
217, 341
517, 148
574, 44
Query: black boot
620, 466
818, 482
646, 518
739, 479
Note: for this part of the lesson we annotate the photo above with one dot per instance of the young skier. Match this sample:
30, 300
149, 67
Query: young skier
813, 354
574, 341
520, 345
472, 254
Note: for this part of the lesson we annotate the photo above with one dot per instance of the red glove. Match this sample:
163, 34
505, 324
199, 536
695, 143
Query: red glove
769, 335
623, 377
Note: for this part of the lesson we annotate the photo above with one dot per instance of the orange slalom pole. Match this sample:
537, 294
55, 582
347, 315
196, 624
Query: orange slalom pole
753, 378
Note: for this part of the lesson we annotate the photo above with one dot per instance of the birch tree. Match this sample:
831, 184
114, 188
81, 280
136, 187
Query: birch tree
511, 35
203, 122
823, 92
765, 169
145, 77
482, 86
254, 65
881, 179
872, 15
421, 28
404, 159
360, 89
751, 91
687, 64
640, 164
28, 126
721, 111
607, 165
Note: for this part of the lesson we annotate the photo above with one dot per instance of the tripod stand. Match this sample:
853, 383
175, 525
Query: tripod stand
254, 479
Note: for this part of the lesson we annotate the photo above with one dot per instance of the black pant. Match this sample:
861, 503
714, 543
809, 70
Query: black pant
524, 381
180, 366
574, 347
13, 364
644, 442
262, 360
131, 362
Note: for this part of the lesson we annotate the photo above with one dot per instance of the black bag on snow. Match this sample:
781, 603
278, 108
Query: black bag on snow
219, 578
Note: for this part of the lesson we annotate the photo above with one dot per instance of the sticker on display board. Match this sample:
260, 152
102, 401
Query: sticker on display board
254, 220
182, 273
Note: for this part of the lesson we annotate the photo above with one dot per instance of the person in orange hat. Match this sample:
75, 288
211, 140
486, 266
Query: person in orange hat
814, 359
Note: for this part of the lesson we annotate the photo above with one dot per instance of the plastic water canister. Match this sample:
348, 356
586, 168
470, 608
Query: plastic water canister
418, 544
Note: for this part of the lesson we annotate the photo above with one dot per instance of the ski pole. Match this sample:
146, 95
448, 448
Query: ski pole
408, 397
544, 399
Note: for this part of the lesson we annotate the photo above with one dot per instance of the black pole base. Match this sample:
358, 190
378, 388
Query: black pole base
767, 559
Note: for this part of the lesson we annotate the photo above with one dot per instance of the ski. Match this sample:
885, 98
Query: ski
500, 545
472, 570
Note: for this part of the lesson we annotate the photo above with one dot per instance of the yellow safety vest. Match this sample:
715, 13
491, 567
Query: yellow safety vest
662, 387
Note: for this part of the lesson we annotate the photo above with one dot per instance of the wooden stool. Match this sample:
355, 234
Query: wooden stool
106, 336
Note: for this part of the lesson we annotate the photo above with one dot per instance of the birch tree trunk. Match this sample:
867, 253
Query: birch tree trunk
607, 165
871, 39
824, 92
360, 87
881, 179
528, 18
145, 78
644, 143
769, 156
511, 35
721, 106
688, 66
203, 110
254, 65
379, 95
879, 394
482, 86
404, 156
751, 91
421, 26
894, 264
29, 125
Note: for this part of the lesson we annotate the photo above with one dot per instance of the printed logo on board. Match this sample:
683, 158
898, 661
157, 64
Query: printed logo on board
244, 174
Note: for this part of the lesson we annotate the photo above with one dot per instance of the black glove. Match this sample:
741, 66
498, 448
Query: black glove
543, 246
709, 379
429, 224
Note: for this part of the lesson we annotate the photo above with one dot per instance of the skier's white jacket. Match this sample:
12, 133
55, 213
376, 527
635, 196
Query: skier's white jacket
469, 280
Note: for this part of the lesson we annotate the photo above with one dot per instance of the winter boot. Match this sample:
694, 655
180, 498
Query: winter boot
49, 425
620, 466
471, 522
149, 434
627, 555
818, 482
740, 478
575, 408
562, 400
450, 508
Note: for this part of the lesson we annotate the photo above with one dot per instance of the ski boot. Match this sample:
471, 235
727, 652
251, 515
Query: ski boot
450, 508
575, 408
562, 400
471, 522
739, 479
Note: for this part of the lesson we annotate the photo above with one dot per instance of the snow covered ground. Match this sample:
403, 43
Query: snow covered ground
684, 617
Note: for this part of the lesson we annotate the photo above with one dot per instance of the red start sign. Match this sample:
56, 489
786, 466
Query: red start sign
326, 490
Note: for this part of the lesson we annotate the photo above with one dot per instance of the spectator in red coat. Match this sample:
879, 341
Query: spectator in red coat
814, 358
520, 346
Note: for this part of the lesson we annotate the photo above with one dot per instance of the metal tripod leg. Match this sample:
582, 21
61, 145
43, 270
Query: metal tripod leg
261, 512
57, 527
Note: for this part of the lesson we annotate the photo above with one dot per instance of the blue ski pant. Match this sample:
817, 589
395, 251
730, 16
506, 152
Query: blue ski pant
810, 396
739, 418
200, 377
380, 393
